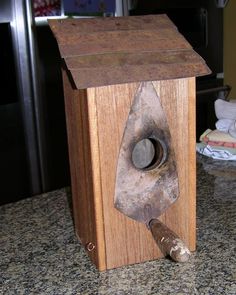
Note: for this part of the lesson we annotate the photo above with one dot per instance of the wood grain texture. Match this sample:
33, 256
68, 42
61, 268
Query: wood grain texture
86, 193
126, 240
178, 100
191, 217
96, 118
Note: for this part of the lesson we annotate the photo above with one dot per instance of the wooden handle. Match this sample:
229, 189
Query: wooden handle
168, 242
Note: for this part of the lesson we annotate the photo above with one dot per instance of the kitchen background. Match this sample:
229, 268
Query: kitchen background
33, 144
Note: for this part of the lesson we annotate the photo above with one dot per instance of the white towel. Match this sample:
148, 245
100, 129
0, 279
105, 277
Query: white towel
232, 129
225, 109
224, 124
216, 153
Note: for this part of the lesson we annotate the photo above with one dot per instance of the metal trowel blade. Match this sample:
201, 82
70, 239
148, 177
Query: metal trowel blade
146, 185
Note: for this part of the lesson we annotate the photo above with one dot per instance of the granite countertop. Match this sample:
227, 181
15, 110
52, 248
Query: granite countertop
41, 255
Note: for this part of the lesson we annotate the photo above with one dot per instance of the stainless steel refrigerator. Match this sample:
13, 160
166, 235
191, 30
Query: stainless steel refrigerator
33, 145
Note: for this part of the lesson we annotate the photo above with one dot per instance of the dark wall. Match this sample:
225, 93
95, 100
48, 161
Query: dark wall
14, 171
14, 181
53, 105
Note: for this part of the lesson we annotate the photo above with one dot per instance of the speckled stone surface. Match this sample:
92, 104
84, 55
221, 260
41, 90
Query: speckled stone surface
41, 255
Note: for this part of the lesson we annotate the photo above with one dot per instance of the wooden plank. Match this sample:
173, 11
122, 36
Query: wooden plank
178, 99
192, 169
85, 191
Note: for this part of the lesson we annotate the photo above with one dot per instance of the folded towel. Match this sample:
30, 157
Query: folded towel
221, 143
216, 152
217, 136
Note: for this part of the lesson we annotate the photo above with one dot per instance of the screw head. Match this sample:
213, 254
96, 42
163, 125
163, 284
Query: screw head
90, 246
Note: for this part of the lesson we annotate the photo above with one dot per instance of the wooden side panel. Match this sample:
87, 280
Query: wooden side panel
191, 207
178, 100
86, 192
127, 241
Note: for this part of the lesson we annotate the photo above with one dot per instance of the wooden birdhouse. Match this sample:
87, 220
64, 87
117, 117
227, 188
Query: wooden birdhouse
129, 88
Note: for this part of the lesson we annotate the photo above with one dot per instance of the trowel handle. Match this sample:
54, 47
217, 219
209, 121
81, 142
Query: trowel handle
168, 242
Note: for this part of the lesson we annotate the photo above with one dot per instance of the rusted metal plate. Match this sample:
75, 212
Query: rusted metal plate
146, 66
88, 77
68, 28
123, 41
146, 47
131, 59
142, 33
145, 193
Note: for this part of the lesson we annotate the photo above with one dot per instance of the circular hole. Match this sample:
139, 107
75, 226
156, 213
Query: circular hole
148, 153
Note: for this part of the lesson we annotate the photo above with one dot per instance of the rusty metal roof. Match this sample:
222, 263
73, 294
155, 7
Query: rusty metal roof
105, 51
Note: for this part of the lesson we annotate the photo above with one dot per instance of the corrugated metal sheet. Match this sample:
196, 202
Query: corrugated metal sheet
105, 51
